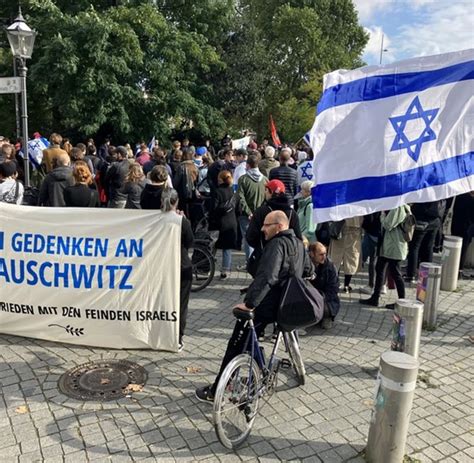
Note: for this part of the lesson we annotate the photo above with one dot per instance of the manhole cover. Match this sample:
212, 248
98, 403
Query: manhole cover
106, 380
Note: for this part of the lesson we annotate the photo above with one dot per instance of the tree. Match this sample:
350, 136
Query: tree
123, 70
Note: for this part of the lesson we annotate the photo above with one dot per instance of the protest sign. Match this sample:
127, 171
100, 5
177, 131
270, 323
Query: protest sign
97, 277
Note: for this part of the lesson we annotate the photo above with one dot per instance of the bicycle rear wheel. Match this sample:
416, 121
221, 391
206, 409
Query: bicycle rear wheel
295, 356
204, 267
236, 401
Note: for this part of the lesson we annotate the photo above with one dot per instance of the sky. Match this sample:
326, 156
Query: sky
412, 28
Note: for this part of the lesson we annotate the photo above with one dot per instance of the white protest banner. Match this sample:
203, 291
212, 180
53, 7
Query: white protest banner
241, 143
97, 277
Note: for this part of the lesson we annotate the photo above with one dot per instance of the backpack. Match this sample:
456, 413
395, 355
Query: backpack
11, 196
408, 226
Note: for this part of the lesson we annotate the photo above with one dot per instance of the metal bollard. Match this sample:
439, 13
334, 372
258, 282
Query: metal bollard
427, 291
450, 260
388, 429
407, 321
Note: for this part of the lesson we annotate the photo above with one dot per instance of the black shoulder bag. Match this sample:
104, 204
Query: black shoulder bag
301, 304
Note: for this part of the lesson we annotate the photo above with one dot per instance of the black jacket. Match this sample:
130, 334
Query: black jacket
327, 283
53, 186
81, 195
187, 240
274, 267
430, 213
115, 179
289, 177
224, 220
151, 196
254, 234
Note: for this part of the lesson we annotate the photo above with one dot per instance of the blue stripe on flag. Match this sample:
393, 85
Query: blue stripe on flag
375, 87
366, 188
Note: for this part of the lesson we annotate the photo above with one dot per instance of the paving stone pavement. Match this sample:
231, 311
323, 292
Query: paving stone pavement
325, 421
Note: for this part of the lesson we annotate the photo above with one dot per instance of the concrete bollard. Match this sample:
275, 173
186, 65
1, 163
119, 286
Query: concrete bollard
388, 429
451, 258
407, 322
427, 291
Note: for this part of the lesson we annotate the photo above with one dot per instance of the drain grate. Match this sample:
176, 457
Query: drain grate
105, 380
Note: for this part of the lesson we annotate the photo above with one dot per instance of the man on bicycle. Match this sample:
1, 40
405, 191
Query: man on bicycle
265, 292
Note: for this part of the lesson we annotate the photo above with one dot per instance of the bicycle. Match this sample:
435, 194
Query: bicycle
247, 379
204, 265
203, 256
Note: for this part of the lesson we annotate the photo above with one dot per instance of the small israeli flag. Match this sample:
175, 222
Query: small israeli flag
151, 144
396, 134
35, 151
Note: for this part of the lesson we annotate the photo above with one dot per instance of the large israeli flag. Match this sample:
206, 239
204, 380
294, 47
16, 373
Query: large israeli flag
396, 134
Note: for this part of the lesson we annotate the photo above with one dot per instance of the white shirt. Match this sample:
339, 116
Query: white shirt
238, 172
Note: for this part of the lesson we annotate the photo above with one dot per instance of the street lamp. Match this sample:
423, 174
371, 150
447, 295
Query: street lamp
22, 40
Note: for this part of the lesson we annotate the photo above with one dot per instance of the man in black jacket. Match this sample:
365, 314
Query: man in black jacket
326, 282
286, 174
275, 199
115, 179
264, 293
428, 222
52, 189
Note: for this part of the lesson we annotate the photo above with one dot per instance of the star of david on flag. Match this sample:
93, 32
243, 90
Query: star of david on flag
385, 136
399, 123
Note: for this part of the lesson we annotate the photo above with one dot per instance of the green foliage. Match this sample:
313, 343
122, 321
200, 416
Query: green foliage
137, 68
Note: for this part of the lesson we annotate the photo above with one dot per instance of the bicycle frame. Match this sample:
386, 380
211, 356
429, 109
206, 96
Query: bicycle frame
257, 354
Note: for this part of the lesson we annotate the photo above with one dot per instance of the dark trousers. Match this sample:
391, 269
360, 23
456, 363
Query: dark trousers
184, 292
369, 250
420, 248
264, 315
393, 266
467, 237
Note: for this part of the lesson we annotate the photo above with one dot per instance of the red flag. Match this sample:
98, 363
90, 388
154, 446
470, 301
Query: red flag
273, 131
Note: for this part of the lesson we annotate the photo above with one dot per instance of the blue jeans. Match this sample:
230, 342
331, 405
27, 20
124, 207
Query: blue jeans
244, 224
226, 260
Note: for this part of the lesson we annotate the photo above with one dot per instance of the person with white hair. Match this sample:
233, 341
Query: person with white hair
305, 212
268, 162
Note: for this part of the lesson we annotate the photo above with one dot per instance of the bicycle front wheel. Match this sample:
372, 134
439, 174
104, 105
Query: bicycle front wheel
236, 401
204, 267
295, 356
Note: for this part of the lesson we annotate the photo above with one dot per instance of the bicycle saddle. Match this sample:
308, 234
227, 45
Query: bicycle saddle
243, 314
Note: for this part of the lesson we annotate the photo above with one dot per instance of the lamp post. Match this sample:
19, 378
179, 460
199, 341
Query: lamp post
22, 40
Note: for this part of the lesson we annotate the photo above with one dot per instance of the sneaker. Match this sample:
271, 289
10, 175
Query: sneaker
390, 306
366, 290
224, 276
371, 301
242, 268
348, 289
383, 290
204, 394
180, 346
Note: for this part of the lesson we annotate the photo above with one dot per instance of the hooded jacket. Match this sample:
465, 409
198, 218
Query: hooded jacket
53, 186
251, 191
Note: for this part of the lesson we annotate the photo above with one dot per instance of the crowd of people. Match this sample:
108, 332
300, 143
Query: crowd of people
235, 191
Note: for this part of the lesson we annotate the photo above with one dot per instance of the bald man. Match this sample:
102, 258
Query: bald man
264, 294
326, 282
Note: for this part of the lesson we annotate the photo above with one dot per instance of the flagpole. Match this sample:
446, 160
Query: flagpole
381, 50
